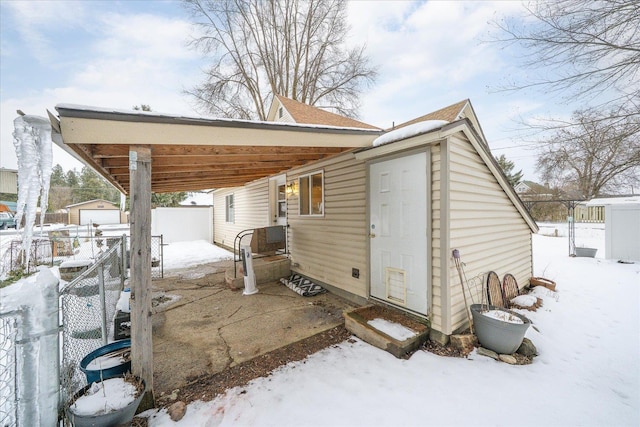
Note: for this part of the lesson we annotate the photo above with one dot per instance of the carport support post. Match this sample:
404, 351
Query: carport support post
140, 269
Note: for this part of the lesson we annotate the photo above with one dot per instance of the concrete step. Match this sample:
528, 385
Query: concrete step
267, 269
356, 322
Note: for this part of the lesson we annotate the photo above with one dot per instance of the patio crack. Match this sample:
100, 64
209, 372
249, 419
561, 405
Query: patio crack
255, 315
227, 348
176, 305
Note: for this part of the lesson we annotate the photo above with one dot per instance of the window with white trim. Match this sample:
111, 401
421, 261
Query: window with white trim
311, 188
230, 215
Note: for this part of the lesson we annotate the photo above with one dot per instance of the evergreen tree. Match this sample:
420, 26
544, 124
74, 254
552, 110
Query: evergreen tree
72, 179
167, 200
59, 192
507, 167
93, 186
58, 178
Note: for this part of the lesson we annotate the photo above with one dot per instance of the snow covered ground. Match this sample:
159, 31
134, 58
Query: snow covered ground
587, 371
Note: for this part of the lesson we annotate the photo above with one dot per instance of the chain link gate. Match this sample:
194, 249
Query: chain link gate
88, 306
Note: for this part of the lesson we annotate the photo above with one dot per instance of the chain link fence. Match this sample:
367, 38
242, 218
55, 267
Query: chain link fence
8, 368
71, 246
12, 255
157, 264
96, 270
88, 305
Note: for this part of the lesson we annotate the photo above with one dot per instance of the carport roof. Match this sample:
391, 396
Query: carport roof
189, 153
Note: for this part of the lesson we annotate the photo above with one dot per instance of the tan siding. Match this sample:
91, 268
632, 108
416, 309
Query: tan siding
436, 291
485, 226
251, 210
327, 248
9, 181
286, 117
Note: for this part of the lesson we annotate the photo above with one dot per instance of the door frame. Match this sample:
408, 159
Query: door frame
429, 227
274, 182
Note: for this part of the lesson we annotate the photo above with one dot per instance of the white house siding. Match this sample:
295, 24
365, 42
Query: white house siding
327, 248
251, 210
484, 225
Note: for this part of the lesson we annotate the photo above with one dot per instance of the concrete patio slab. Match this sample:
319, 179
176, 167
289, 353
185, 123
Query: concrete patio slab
211, 327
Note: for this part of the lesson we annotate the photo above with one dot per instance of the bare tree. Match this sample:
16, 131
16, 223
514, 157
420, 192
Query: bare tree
592, 154
294, 48
585, 49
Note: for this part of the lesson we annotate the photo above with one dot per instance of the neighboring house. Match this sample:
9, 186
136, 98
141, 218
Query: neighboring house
380, 222
8, 181
371, 215
97, 211
622, 226
529, 190
539, 201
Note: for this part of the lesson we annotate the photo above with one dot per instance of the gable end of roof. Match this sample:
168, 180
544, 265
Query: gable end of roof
307, 114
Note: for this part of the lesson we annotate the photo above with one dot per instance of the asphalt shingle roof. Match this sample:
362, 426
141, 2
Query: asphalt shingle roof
449, 114
306, 114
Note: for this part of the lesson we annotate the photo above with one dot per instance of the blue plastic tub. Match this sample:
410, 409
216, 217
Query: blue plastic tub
103, 374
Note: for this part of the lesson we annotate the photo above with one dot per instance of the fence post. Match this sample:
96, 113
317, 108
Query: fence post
38, 382
162, 256
103, 304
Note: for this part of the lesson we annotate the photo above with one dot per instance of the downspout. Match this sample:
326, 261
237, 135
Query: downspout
445, 291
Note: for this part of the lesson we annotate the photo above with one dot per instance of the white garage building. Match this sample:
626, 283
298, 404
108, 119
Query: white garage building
96, 211
622, 227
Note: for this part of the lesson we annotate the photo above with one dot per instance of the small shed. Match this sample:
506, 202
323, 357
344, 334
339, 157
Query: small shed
622, 227
96, 211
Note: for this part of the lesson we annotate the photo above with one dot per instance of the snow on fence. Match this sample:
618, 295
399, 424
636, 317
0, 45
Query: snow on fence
8, 368
88, 304
29, 386
12, 254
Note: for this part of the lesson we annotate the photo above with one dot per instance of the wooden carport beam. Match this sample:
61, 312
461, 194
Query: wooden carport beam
140, 274
163, 150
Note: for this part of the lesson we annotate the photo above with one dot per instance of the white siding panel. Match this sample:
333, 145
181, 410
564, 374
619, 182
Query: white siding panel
485, 226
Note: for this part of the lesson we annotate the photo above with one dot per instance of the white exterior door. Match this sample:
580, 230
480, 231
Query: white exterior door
278, 200
398, 231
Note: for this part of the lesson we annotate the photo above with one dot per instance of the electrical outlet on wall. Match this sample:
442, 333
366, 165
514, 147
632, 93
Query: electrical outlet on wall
355, 272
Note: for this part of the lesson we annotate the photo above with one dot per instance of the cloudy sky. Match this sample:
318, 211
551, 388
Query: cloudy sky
124, 53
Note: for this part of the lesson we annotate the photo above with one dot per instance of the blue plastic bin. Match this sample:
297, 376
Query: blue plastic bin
115, 371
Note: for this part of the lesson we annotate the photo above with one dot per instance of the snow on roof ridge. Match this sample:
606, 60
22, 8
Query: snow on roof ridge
409, 131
